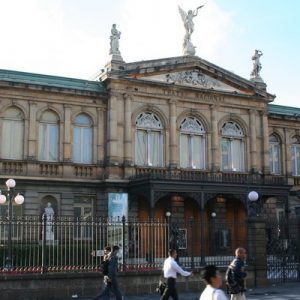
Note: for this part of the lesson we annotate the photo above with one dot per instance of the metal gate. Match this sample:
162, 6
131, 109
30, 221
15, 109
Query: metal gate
283, 250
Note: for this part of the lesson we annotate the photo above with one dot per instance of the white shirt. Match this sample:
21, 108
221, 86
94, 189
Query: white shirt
211, 293
171, 268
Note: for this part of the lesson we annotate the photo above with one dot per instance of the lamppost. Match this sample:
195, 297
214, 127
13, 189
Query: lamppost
19, 199
168, 216
213, 239
252, 206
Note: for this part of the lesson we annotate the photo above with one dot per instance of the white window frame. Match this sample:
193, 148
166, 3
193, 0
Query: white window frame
149, 125
232, 134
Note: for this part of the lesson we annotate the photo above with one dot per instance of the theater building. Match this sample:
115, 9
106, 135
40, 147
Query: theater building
179, 135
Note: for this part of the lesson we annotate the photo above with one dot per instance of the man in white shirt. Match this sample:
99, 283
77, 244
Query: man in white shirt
171, 268
213, 280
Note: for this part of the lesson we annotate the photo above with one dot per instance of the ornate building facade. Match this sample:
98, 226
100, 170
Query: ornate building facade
177, 134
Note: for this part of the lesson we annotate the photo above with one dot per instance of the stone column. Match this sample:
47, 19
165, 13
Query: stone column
265, 131
257, 257
214, 139
253, 152
173, 135
67, 150
32, 131
100, 136
112, 131
127, 131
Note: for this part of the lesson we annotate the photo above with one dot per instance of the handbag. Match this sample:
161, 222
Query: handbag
161, 287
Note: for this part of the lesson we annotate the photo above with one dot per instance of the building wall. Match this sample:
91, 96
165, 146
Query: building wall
114, 141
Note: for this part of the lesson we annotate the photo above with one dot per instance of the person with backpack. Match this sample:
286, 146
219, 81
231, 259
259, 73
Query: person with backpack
213, 280
104, 294
235, 276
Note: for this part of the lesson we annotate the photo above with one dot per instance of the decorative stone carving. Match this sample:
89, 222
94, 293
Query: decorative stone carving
194, 77
114, 51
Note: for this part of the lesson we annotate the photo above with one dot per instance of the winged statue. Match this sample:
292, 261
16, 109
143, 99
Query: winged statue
187, 18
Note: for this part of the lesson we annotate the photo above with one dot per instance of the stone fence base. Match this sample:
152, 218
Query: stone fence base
63, 286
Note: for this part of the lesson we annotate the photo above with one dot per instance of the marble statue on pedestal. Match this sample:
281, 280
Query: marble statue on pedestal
48, 217
255, 74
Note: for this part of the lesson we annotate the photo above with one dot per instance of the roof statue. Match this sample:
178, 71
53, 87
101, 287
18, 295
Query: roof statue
115, 59
187, 18
255, 74
114, 51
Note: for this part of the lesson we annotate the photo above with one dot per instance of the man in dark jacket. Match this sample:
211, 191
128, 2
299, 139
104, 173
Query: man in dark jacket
235, 275
113, 271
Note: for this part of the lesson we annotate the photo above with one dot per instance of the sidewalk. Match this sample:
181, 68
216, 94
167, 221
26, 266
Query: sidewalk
286, 291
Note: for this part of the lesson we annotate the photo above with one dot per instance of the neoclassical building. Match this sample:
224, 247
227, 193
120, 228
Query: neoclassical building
178, 135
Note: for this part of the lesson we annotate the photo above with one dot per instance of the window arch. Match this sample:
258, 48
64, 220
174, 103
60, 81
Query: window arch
275, 155
12, 134
149, 140
232, 147
82, 139
192, 144
295, 154
48, 136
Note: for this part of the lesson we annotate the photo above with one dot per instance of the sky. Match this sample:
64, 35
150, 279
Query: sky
70, 38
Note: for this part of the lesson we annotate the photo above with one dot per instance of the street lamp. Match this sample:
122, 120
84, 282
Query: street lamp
19, 199
252, 209
168, 216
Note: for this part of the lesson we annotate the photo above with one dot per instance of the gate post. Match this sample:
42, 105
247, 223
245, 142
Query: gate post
257, 250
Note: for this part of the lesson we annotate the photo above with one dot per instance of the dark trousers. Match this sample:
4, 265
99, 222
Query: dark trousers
170, 290
104, 294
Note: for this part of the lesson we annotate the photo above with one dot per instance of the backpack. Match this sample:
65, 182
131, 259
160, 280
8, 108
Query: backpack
233, 287
104, 267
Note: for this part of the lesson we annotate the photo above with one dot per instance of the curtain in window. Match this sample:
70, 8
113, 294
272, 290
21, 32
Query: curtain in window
155, 146
225, 154
48, 142
198, 152
82, 140
141, 148
274, 159
237, 155
12, 139
184, 152
295, 152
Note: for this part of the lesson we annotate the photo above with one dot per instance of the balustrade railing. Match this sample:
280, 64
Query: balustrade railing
205, 176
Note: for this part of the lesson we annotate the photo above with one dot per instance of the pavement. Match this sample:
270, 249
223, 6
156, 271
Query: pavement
286, 291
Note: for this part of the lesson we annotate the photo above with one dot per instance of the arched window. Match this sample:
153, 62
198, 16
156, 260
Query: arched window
295, 153
48, 137
275, 156
192, 144
12, 143
233, 148
82, 143
149, 140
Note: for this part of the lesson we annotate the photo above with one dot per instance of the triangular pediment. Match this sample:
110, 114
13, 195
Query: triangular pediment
189, 72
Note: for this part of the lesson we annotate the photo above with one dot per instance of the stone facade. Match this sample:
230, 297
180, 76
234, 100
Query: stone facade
171, 91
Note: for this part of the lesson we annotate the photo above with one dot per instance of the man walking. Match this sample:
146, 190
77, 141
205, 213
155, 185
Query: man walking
104, 294
235, 275
171, 268
113, 271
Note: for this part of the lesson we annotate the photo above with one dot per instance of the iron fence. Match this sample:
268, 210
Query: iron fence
75, 245
283, 250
